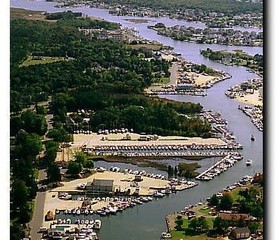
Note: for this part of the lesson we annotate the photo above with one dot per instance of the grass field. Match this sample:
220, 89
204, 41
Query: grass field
19, 13
179, 235
161, 81
153, 47
204, 211
187, 234
34, 60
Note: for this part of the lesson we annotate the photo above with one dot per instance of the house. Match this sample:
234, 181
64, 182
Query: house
100, 186
240, 233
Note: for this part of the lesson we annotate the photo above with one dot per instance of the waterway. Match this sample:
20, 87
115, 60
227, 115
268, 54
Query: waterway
146, 222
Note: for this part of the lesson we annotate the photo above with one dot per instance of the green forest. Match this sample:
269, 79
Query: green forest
228, 6
106, 77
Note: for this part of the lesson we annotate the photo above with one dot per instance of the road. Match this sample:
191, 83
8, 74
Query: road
38, 216
174, 74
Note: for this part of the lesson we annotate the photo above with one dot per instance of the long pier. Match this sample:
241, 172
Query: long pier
219, 167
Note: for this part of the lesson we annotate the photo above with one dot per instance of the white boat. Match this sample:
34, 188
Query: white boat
165, 235
248, 162
113, 210
158, 195
97, 224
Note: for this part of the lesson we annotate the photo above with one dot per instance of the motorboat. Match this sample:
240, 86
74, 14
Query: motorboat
97, 224
248, 162
165, 235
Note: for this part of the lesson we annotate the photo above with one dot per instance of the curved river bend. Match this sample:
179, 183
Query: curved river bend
147, 221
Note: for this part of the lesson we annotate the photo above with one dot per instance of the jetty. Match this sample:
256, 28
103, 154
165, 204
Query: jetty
219, 167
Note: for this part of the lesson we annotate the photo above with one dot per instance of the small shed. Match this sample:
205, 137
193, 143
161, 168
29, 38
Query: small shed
240, 233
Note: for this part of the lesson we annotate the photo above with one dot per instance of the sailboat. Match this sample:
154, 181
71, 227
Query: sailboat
252, 137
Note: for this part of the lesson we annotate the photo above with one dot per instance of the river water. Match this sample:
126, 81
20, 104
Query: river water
146, 222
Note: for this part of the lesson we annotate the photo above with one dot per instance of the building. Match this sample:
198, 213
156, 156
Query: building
100, 186
240, 233
184, 86
234, 217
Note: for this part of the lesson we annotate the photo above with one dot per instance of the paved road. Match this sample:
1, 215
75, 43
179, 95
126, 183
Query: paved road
38, 216
174, 74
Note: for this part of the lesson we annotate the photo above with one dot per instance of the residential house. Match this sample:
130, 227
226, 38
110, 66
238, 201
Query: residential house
240, 233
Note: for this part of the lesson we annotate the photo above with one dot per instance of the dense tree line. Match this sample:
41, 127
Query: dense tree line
23, 182
228, 7
30, 121
63, 15
138, 112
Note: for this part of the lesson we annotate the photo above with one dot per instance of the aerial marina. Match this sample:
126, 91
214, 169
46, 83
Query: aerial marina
179, 110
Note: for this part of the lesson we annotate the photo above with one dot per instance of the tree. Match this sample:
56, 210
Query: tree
193, 224
50, 155
213, 201
220, 225
170, 170
74, 168
226, 202
19, 193
16, 231
253, 226
198, 224
29, 144
203, 224
33, 122
89, 164
257, 211
81, 157
179, 223
25, 213
53, 173
176, 170
40, 110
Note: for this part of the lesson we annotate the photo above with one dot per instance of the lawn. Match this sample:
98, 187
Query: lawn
34, 60
204, 211
235, 192
161, 81
186, 234
179, 235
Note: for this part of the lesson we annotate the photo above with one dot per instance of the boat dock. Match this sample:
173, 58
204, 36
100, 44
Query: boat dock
219, 167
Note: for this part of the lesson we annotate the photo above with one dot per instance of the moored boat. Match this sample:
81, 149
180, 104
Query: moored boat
248, 162
97, 224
